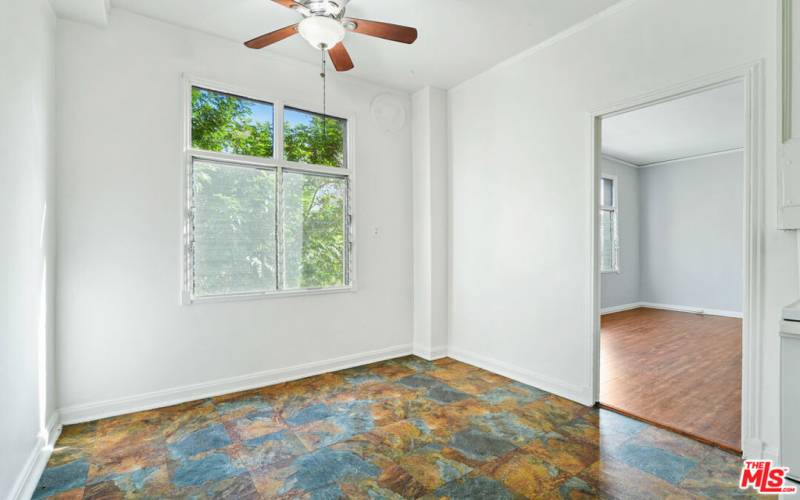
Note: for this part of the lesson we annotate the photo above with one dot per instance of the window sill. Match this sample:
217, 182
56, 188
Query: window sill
187, 300
617, 271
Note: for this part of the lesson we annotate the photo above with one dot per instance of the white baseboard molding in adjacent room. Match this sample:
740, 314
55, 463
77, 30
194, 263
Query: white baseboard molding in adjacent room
670, 307
582, 395
692, 309
168, 397
28, 478
620, 308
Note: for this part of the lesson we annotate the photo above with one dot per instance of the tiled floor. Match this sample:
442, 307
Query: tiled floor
401, 428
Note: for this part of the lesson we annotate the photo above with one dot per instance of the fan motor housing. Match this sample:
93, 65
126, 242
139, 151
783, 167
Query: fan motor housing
329, 8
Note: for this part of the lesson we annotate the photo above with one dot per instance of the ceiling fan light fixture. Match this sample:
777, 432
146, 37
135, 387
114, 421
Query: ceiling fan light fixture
321, 31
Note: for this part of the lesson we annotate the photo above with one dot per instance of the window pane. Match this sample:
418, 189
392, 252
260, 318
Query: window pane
234, 229
607, 192
314, 234
231, 124
308, 138
607, 249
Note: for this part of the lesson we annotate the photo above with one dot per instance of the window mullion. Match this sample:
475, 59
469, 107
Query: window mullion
277, 154
279, 254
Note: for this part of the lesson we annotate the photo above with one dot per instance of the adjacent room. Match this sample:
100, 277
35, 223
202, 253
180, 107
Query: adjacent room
399, 249
672, 288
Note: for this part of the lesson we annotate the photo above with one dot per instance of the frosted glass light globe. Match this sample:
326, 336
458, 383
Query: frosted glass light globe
321, 31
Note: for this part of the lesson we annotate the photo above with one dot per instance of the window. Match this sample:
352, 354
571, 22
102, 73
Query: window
261, 223
314, 139
609, 234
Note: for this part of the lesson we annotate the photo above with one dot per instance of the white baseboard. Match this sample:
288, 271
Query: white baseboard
620, 308
693, 310
670, 307
168, 397
28, 478
582, 395
431, 354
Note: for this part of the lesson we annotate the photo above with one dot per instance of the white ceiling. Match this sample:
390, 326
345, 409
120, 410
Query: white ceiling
708, 122
458, 39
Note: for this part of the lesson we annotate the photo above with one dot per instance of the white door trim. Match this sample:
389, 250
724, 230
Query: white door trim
751, 75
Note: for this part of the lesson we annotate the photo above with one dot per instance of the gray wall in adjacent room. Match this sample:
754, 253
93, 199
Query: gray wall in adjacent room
691, 233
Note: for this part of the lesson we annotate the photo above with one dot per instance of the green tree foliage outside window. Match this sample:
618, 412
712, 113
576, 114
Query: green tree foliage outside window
314, 230
234, 229
235, 249
310, 138
231, 124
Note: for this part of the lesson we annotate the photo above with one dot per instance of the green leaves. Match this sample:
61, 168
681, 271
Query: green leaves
314, 209
234, 229
228, 124
320, 142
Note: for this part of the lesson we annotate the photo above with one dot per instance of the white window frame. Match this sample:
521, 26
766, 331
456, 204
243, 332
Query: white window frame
278, 164
614, 210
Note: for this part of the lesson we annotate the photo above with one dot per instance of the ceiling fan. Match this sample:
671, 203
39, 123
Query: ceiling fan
324, 26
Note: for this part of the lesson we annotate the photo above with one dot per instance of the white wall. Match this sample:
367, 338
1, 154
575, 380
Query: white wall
691, 233
121, 329
623, 287
520, 164
430, 205
27, 36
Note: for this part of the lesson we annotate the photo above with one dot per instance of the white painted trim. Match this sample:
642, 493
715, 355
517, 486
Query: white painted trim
582, 395
28, 478
693, 157
692, 310
609, 157
753, 214
430, 354
168, 397
620, 308
670, 307
586, 23
790, 329
278, 294
619, 160
785, 34
788, 142
93, 12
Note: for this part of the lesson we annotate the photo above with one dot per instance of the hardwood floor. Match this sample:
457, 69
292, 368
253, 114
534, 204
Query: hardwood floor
677, 370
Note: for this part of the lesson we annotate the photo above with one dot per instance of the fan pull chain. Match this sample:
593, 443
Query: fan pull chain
324, 93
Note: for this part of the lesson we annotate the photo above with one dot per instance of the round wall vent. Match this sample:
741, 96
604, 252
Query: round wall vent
389, 112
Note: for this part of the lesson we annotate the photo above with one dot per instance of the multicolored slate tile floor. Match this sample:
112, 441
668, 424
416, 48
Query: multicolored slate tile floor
404, 428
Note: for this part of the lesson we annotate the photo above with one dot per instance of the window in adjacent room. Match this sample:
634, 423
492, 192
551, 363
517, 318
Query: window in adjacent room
609, 233
262, 223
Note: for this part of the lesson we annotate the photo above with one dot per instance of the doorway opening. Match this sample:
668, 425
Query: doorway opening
675, 236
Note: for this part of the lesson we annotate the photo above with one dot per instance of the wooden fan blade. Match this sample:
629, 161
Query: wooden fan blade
270, 38
393, 32
341, 58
